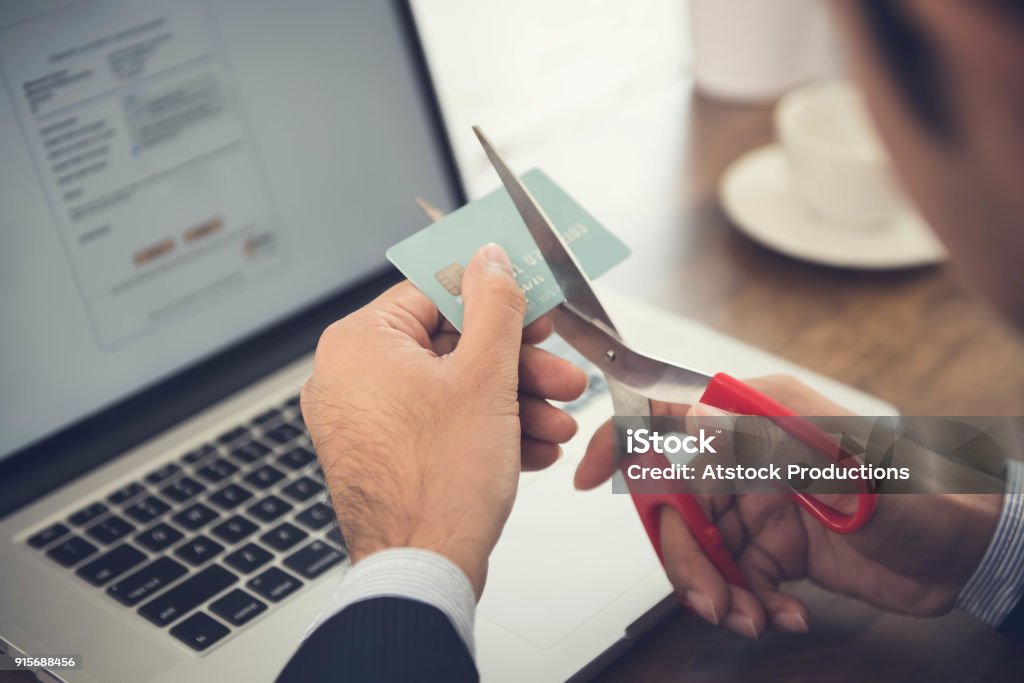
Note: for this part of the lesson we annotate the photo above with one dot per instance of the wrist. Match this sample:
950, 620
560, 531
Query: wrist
980, 513
466, 552
465, 556
997, 583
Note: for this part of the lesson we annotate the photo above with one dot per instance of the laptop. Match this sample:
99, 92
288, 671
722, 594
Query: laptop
191, 192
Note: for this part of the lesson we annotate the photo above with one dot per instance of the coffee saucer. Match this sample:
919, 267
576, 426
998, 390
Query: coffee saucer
757, 194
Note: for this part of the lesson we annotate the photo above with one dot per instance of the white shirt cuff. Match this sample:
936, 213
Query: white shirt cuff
411, 573
997, 585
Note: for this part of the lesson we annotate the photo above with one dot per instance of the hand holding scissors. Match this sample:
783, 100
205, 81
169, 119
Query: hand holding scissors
636, 379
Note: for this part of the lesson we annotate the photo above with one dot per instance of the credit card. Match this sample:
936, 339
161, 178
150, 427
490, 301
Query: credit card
435, 258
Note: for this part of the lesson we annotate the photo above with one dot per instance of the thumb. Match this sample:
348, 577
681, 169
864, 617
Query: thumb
492, 327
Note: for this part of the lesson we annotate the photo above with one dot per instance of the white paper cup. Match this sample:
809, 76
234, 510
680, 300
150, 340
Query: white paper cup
838, 166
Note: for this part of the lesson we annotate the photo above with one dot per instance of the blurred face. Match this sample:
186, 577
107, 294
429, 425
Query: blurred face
967, 175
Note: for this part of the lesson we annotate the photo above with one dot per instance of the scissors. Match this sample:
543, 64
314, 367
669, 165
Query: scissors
635, 379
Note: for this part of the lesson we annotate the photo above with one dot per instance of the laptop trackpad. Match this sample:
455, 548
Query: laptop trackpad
563, 557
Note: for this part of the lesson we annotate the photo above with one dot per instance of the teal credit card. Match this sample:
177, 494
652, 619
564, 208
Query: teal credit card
435, 257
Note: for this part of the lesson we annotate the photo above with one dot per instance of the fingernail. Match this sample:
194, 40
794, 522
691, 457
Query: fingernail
496, 256
791, 621
703, 606
576, 475
741, 625
575, 425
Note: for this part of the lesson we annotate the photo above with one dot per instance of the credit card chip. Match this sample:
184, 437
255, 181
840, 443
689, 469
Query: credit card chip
450, 278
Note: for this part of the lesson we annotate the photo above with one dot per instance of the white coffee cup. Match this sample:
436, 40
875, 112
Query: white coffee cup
755, 50
838, 165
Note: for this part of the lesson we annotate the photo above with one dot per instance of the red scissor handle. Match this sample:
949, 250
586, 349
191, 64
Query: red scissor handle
732, 395
729, 394
649, 505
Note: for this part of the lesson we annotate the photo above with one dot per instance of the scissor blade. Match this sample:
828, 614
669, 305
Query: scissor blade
643, 374
568, 274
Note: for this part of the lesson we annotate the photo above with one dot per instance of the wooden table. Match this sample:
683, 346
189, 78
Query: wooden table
917, 339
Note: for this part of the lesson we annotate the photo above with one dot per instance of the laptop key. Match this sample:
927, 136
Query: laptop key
250, 452
160, 537
71, 551
162, 473
293, 402
314, 559
234, 529
238, 607
198, 550
217, 470
111, 529
283, 536
267, 417
297, 458
46, 536
195, 516
136, 587
274, 584
200, 631
316, 516
264, 477
232, 435
283, 433
147, 509
183, 489
126, 493
302, 489
198, 454
187, 595
88, 514
334, 536
231, 496
111, 565
248, 558
269, 509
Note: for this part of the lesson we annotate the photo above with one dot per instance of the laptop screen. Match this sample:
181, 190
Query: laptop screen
176, 175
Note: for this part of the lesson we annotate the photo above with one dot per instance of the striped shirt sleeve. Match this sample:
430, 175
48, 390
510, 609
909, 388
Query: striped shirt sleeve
997, 585
411, 573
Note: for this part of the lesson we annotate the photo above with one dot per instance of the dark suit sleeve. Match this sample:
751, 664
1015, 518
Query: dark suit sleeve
1013, 624
383, 639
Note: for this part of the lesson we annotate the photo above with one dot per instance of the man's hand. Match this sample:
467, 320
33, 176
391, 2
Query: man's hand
421, 434
913, 557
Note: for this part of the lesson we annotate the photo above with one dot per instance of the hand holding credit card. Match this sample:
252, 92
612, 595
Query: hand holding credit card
434, 258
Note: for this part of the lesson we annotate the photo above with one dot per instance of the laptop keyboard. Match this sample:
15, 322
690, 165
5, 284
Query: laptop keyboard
202, 545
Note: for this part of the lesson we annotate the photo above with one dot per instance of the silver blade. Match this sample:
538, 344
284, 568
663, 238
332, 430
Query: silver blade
568, 274
648, 377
